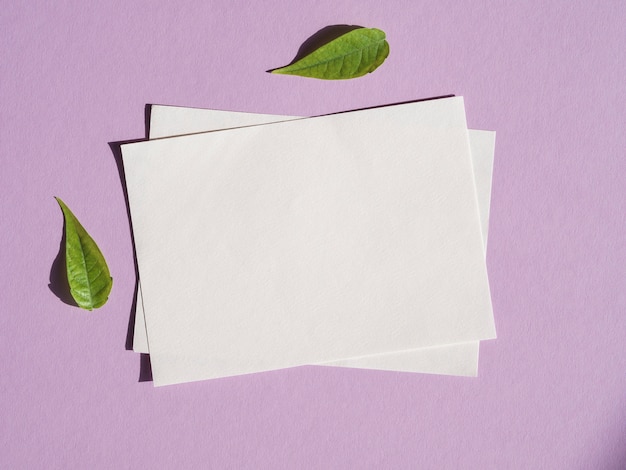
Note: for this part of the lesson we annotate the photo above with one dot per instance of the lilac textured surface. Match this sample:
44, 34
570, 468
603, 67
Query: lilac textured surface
549, 77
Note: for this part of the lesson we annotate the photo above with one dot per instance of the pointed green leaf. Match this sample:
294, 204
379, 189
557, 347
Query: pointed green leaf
87, 271
351, 55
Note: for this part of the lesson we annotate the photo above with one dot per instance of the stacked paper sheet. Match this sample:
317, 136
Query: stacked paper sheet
355, 239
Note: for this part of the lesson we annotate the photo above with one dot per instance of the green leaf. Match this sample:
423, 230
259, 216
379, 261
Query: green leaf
87, 271
351, 55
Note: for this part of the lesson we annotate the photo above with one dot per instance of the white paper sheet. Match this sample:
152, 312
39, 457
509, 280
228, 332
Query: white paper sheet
457, 359
365, 289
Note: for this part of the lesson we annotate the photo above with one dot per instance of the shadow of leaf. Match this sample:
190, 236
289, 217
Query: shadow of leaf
59, 285
319, 39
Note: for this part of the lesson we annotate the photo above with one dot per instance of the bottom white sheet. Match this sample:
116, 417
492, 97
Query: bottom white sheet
459, 359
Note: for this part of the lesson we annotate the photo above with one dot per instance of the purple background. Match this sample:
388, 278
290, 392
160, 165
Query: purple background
547, 76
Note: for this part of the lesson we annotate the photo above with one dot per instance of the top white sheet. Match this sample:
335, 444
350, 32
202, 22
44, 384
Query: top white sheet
455, 359
308, 241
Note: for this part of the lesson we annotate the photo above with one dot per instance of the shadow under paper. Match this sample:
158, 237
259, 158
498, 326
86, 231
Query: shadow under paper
145, 371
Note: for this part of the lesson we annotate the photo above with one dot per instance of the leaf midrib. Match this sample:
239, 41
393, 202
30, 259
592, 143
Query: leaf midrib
84, 264
338, 57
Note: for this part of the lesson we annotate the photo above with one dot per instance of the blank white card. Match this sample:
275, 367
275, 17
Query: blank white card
308, 241
456, 359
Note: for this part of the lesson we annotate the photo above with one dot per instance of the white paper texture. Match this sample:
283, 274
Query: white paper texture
456, 359
308, 241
